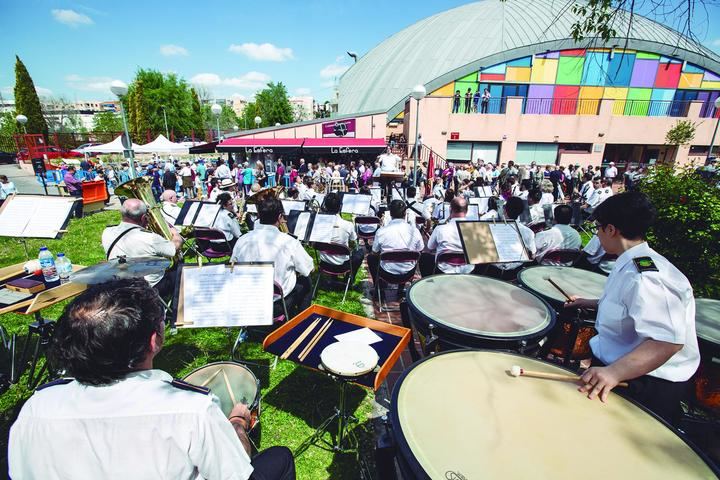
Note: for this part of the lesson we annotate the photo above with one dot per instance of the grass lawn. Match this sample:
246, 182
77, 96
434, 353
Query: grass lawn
294, 400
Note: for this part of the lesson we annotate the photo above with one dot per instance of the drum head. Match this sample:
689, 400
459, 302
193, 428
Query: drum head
707, 319
573, 281
493, 425
228, 381
349, 359
480, 306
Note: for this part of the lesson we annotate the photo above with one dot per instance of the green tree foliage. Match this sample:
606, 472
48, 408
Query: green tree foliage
688, 225
248, 116
228, 118
681, 134
8, 125
273, 105
197, 120
27, 101
107, 122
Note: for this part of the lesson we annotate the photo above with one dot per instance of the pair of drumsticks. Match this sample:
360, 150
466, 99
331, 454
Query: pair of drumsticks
517, 371
311, 344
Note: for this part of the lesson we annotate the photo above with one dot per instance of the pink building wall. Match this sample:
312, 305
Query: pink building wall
366, 126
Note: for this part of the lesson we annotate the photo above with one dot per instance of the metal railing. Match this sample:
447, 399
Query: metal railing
561, 106
492, 106
651, 108
406, 151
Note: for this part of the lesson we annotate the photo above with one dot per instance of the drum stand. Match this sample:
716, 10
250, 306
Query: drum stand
345, 441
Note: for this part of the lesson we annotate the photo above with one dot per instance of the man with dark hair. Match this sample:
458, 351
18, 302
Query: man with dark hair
446, 238
266, 243
537, 214
118, 417
602, 191
560, 237
342, 234
646, 315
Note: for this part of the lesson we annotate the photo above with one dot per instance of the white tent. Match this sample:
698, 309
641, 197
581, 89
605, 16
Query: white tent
162, 145
113, 147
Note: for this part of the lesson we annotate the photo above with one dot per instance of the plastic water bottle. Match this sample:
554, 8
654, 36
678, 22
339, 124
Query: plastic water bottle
47, 264
64, 267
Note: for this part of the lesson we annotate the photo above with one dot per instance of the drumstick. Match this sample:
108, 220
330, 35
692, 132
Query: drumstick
299, 340
517, 371
210, 378
559, 289
229, 388
315, 340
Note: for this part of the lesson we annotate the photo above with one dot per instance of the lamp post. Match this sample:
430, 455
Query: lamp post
712, 141
22, 120
418, 94
167, 132
217, 110
258, 121
120, 89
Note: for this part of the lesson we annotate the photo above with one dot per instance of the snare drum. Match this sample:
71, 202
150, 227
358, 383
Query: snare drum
232, 383
494, 425
349, 359
707, 378
469, 311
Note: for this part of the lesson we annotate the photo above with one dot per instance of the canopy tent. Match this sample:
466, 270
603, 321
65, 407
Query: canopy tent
162, 145
261, 145
113, 147
344, 146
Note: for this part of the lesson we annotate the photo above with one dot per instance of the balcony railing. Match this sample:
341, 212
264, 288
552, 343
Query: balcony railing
561, 106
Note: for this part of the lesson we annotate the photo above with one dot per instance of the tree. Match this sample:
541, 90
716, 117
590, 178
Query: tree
26, 100
198, 119
248, 115
681, 134
228, 118
8, 124
107, 122
272, 105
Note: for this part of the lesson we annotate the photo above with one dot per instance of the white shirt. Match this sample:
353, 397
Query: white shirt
490, 215
446, 238
441, 211
547, 198
397, 235
7, 189
141, 427
227, 224
611, 172
222, 172
559, 237
587, 190
138, 243
636, 306
343, 233
307, 194
594, 250
598, 196
265, 243
170, 212
528, 238
185, 172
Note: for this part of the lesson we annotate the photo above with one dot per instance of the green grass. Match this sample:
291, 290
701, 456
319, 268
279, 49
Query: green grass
294, 399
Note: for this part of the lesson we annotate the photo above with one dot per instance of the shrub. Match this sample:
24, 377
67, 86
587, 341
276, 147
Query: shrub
687, 231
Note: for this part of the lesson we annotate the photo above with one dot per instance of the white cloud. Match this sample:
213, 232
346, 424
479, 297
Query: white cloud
41, 91
249, 81
328, 84
333, 70
91, 84
173, 50
263, 52
71, 17
302, 91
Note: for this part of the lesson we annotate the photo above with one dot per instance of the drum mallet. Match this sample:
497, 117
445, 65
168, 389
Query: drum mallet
517, 371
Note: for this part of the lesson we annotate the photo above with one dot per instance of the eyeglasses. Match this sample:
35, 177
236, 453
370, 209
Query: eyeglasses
594, 227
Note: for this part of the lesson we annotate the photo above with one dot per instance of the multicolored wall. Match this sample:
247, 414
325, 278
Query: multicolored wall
573, 82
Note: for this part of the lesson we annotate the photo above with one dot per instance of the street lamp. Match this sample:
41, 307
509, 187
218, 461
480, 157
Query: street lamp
22, 120
120, 89
217, 110
712, 141
418, 94
167, 132
258, 121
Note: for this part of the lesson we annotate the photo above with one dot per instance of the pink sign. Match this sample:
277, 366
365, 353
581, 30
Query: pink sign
339, 128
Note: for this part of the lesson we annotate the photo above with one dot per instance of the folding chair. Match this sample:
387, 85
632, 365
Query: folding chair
330, 269
537, 227
560, 257
279, 296
455, 259
204, 240
394, 256
368, 221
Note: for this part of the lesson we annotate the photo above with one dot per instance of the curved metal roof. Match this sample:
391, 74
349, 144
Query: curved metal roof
454, 43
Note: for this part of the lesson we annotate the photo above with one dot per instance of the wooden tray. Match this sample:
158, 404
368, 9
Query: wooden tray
42, 299
395, 339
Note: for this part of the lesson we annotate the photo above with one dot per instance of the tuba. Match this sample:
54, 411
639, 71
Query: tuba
140, 188
264, 193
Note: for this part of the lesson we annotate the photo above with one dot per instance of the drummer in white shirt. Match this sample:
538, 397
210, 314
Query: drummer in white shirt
446, 238
396, 235
560, 237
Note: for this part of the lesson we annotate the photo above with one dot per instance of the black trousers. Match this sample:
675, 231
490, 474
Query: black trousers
298, 299
274, 463
373, 262
78, 205
662, 397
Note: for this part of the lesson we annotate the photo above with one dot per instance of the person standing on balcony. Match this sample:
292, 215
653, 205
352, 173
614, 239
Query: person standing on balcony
468, 100
485, 101
456, 102
475, 101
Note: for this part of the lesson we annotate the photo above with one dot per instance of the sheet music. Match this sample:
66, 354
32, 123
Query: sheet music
481, 202
473, 212
15, 218
207, 215
356, 204
508, 242
302, 224
485, 191
192, 210
398, 195
290, 205
363, 335
322, 229
319, 198
34, 216
206, 289
376, 194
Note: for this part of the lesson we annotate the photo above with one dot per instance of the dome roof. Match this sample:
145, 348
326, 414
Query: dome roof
446, 46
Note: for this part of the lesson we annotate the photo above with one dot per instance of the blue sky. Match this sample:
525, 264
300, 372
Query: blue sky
75, 50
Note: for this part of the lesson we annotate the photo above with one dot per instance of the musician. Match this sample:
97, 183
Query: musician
132, 239
396, 235
120, 418
492, 211
442, 209
169, 209
537, 213
343, 234
446, 238
266, 243
561, 236
307, 193
226, 221
646, 315
513, 208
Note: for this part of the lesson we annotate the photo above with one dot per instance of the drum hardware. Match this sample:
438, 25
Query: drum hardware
385, 451
518, 371
431, 340
43, 329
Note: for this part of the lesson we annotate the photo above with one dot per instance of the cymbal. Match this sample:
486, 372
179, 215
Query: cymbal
120, 268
